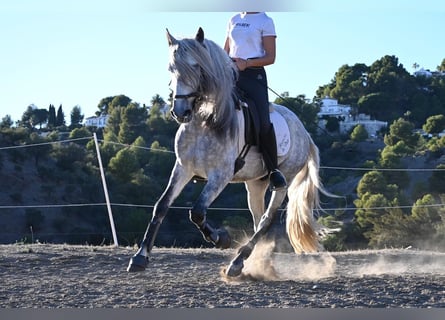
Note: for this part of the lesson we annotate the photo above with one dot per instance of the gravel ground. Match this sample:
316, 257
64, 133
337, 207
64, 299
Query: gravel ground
65, 276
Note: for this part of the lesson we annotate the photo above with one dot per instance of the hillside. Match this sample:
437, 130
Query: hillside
48, 199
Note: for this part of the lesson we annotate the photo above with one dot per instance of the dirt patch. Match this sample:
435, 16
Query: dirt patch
56, 276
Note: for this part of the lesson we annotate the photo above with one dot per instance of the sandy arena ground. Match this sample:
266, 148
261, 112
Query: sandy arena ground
65, 276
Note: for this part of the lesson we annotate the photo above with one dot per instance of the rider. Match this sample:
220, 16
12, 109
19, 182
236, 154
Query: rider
250, 43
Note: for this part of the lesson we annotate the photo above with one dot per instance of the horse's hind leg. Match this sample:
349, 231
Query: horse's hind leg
237, 264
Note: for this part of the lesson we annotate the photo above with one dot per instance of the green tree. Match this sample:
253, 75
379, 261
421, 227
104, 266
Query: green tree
160, 129
157, 100
160, 162
376, 104
371, 208
69, 157
120, 101
390, 159
307, 112
372, 182
76, 117
79, 133
332, 124
34, 116
60, 117
441, 67
133, 123
140, 150
124, 165
434, 124
40, 150
397, 229
436, 180
388, 75
6, 122
402, 130
359, 133
425, 212
51, 116
349, 83
103, 106
392, 229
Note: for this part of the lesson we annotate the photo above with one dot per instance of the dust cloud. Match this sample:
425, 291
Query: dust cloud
266, 265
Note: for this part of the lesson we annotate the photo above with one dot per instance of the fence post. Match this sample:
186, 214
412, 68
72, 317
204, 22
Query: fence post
104, 184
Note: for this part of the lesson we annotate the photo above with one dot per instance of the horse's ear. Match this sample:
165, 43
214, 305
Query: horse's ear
200, 35
171, 40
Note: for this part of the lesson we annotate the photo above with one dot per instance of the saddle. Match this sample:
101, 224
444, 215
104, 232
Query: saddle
251, 129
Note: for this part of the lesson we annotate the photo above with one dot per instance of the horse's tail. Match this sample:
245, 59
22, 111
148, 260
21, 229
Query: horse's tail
303, 194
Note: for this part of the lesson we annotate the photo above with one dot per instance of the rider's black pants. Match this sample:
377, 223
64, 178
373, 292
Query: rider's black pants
253, 82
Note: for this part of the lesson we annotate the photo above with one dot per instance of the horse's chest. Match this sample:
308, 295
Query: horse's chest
202, 149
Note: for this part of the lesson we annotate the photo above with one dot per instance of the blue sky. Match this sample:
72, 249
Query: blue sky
78, 52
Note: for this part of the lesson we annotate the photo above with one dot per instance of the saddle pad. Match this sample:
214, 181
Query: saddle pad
282, 133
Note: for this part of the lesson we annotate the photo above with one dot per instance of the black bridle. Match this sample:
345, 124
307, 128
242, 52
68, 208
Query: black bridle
196, 95
186, 96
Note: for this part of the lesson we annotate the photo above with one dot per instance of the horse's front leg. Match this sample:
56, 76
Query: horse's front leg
178, 180
198, 214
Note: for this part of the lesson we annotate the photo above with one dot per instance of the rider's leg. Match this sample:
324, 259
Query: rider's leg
269, 151
254, 83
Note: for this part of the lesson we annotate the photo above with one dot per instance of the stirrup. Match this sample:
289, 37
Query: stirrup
277, 180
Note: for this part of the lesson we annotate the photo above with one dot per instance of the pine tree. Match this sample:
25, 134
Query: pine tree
51, 116
60, 118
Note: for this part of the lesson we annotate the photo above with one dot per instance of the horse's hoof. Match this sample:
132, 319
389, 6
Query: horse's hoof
224, 240
234, 270
137, 263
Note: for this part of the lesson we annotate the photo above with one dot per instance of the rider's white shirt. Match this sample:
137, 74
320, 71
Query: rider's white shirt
245, 32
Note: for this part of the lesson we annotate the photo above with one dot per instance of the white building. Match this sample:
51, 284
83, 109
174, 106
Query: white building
331, 108
428, 74
423, 73
99, 122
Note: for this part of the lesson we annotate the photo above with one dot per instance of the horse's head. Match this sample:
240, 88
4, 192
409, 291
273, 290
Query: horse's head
203, 79
186, 75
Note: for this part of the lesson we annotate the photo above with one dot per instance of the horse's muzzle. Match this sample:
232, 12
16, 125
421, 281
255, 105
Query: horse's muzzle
182, 107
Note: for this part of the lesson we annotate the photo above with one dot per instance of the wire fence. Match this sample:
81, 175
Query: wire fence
217, 209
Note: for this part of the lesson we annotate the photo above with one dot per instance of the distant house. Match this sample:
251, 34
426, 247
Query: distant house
428, 74
98, 122
423, 73
331, 108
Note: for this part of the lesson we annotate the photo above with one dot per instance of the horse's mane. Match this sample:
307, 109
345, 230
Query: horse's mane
215, 78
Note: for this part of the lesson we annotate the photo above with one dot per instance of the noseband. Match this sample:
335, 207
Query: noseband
187, 113
186, 96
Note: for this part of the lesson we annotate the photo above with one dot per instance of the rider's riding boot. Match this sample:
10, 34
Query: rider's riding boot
269, 151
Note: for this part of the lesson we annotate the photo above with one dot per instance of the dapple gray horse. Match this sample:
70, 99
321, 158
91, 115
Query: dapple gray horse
208, 143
